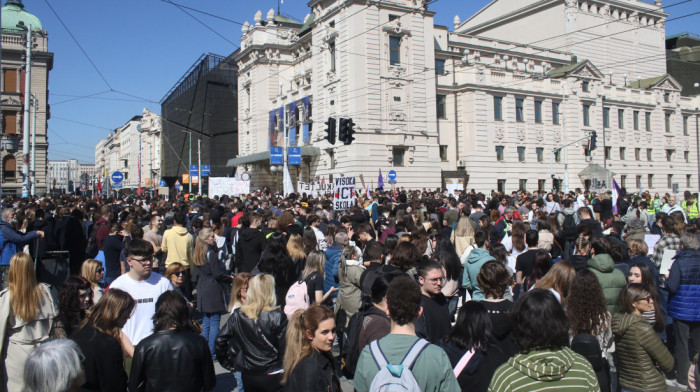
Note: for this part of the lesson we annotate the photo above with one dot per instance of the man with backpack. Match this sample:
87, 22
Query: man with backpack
425, 366
567, 221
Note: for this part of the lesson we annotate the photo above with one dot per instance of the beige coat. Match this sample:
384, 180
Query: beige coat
350, 295
19, 337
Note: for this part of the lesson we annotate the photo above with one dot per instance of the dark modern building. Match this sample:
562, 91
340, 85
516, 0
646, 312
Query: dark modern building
201, 106
683, 61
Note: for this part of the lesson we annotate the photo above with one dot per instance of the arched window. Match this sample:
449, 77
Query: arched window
9, 167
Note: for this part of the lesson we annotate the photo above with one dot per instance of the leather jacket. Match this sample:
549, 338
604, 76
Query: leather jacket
239, 346
172, 361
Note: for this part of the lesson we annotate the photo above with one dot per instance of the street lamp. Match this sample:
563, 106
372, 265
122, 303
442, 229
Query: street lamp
27, 102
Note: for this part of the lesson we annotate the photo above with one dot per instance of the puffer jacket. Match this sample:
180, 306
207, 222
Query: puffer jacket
239, 345
332, 264
350, 293
611, 279
171, 360
684, 285
472, 266
639, 350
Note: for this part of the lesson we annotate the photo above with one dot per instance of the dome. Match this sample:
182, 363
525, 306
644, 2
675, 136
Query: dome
12, 13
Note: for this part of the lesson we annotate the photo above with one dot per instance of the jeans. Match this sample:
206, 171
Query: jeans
239, 380
683, 330
210, 328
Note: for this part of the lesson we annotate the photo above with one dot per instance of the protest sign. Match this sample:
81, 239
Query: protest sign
344, 193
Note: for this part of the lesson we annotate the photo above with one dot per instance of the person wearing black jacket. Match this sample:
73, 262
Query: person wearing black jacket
434, 324
308, 361
253, 339
251, 242
174, 357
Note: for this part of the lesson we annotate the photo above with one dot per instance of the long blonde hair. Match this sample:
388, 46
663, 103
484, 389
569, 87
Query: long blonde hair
201, 247
240, 282
25, 293
89, 270
261, 296
302, 324
295, 247
464, 228
315, 262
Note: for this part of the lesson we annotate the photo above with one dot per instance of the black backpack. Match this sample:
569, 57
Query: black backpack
92, 249
350, 349
569, 227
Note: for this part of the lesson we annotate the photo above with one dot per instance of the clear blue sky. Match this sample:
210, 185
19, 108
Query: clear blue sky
143, 47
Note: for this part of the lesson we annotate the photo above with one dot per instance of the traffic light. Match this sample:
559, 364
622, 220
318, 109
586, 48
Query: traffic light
330, 130
345, 130
592, 142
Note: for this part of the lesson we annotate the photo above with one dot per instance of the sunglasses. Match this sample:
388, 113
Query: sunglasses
100, 270
179, 273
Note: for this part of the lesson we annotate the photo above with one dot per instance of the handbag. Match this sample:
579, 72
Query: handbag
463, 362
264, 338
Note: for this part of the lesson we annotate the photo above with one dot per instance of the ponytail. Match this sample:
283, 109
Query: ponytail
298, 344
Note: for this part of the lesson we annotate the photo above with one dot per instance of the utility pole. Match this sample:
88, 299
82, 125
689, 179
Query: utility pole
199, 165
190, 165
25, 122
32, 168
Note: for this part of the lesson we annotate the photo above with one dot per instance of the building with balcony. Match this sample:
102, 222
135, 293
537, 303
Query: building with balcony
13, 95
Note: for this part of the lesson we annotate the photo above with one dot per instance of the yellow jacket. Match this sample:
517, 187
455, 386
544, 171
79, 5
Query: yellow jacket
178, 243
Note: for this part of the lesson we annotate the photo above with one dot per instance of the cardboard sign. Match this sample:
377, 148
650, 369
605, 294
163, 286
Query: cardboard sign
219, 186
315, 189
344, 193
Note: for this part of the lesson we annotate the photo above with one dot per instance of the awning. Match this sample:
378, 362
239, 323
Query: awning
259, 157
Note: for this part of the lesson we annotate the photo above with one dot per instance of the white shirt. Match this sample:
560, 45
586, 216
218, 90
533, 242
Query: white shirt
146, 293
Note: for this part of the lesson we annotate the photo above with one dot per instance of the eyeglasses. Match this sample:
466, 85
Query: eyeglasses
179, 273
142, 261
435, 280
648, 299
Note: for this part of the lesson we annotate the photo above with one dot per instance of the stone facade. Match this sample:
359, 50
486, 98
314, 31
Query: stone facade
467, 104
69, 176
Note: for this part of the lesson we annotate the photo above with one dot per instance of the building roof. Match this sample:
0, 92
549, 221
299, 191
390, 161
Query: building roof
308, 24
12, 13
647, 83
583, 68
561, 71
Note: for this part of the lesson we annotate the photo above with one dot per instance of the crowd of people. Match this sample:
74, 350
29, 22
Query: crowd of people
414, 289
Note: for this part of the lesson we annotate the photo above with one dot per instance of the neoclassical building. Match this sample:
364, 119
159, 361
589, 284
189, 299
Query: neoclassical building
12, 87
507, 99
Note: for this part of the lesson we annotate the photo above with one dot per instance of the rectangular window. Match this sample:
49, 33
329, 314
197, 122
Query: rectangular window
650, 180
498, 108
443, 153
331, 52
647, 121
398, 156
555, 113
621, 118
667, 97
519, 116
521, 154
441, 106
685, 125
538, 112
9, 123
501, 185
649, 154
686, 156
623, 181
541, 185
669, 155
635, 120
439, 66
667, 122
639, 182
637, 154
586, 115
394, 50
540, 154
557, 156
669, 181
499, 153
585, 86
622, 153
606, 117
522, 184
331, 158
688, 177
608, 152
9, 81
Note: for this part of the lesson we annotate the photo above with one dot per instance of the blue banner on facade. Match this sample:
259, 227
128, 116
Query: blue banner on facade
276, 155
295, 155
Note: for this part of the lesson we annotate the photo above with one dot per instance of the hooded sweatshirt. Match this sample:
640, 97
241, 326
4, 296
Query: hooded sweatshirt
472, 266
639, 350
560, 370
178, 243
611, 279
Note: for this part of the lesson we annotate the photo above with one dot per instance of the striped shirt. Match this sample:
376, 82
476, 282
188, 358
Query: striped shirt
561, 370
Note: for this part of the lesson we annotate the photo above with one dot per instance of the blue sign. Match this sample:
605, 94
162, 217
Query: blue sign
276, 156
117, 185
392, 174
162, 183
295, 155
194, 170
205, 170
117, 177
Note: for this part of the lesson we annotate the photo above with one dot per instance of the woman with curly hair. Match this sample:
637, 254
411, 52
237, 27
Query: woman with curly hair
74, 299
588, 315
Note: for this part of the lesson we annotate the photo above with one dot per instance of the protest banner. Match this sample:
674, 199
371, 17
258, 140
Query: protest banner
219, 186
344, 193
314, 189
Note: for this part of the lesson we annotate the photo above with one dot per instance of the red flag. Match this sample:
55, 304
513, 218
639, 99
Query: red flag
323, 180
99, 184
